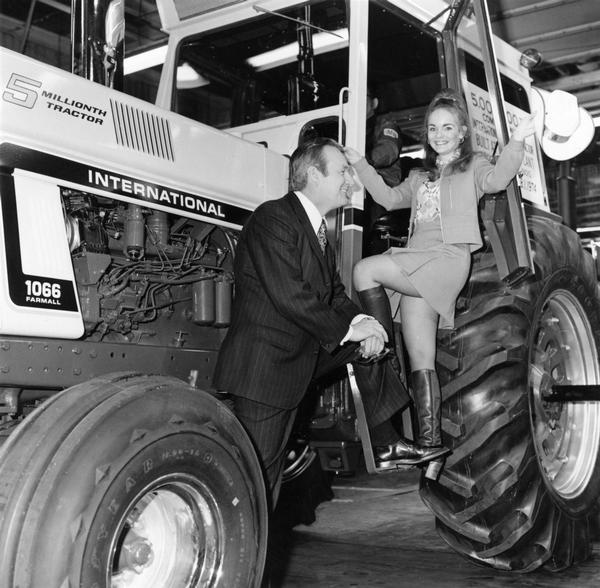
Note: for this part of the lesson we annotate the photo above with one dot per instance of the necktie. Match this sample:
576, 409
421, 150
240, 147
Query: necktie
322, 236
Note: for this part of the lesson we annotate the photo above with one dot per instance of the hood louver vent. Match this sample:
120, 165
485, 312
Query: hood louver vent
142, 131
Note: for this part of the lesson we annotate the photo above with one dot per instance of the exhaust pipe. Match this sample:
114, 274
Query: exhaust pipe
97, 33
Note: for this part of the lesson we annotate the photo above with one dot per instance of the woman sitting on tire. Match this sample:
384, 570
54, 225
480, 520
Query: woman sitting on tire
433, 268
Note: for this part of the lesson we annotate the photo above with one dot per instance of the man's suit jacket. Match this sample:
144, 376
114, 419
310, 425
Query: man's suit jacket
289, 301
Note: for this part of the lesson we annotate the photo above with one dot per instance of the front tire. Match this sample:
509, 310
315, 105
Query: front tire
131, 481
524, 476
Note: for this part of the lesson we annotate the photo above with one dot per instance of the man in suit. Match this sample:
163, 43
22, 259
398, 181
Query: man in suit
292, 319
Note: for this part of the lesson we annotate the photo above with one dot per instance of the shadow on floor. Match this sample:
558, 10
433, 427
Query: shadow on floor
376, 532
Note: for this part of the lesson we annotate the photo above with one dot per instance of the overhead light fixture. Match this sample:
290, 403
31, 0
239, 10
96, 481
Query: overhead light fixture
144, 60
322, 43
188, 78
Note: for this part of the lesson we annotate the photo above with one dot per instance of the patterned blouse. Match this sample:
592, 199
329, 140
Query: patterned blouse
428, 202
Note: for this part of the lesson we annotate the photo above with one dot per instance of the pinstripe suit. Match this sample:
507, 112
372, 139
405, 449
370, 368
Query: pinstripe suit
289, 304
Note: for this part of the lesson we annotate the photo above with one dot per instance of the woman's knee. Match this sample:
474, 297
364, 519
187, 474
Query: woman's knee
361, 272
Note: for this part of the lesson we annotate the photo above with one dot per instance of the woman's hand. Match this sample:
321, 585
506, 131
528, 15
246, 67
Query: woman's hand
352, 155
526, 127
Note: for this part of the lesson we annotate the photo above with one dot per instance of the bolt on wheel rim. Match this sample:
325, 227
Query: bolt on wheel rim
566, 435
171, 535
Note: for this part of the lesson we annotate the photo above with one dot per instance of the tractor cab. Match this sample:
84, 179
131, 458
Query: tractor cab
278, 73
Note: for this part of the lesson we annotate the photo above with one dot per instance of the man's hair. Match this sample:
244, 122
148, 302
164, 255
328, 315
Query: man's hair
309, 154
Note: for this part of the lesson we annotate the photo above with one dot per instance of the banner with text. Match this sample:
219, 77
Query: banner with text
484, 139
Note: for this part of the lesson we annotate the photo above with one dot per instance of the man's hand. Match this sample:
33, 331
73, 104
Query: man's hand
371, 346
370, 334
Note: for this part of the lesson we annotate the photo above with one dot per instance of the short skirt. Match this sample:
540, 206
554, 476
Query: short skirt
437, 270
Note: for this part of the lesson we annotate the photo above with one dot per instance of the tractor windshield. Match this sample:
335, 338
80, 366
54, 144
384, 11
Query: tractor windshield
297, 60
276, 64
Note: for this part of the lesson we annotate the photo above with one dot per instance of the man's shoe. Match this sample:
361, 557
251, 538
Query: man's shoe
405, 453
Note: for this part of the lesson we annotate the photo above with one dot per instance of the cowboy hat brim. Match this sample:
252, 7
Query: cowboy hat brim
560, 148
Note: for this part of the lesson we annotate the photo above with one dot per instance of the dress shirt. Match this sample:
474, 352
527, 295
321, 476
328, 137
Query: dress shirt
315, 218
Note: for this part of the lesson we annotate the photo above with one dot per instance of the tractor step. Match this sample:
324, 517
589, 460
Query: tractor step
365, 436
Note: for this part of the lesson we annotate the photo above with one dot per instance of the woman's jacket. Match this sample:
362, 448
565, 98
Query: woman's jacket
459, 192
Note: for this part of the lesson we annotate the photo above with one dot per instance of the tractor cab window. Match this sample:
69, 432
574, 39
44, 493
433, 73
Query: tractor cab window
281, 63
513, 92
403, 69
321, 127
403, 75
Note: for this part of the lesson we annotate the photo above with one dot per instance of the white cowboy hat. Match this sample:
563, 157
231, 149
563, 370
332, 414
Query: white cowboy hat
563, 128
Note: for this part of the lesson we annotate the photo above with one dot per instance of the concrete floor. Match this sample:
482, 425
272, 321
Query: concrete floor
376, 532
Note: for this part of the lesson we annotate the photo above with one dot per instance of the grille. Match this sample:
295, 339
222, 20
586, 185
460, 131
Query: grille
142, 131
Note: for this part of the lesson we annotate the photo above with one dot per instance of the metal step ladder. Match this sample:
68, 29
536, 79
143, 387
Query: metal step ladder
433, 467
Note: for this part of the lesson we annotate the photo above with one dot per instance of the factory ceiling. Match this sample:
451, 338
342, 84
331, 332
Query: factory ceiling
565, 32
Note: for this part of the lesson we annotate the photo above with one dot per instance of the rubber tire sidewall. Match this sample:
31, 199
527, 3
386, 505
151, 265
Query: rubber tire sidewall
492, 502
148, 429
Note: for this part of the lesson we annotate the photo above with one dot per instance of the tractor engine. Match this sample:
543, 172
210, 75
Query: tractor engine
144, 276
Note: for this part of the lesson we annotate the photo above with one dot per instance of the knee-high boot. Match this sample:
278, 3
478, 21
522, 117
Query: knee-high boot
428, 401
375, 302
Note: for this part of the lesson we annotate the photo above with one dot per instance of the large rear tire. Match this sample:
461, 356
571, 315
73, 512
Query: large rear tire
131, 481
519, 488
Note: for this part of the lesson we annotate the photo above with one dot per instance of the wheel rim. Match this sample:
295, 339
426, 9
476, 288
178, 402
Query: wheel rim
170, 535
566, 435
298, 459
